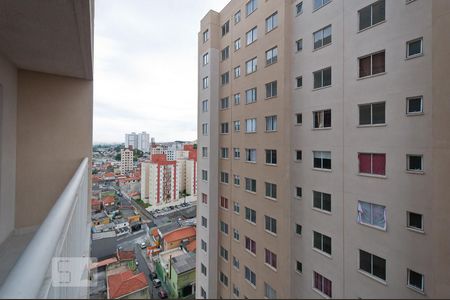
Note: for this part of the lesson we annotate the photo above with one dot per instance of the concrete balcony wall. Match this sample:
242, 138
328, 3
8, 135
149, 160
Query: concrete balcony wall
54, 133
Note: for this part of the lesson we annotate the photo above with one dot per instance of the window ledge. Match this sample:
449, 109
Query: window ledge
322, 170
372, 226
321, 88
270, 267
248, 45
414, 114
371, 125
372, 175
270, 198
414, 56
321, 47
250, 162
250, 252
271, 165
321, 211
252, 132
251, 192
320, 293
383, 282
298, 160
372, 76
267, 32
372, 26
271, 97
269, 64
298, 124
270, 131
418, 172
298, 273
298, 88
323, 253
271, 233
416, 230
250, 222
251, 284
322, 128
415, 289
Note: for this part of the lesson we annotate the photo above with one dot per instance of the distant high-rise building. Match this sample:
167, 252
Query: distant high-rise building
131, 139
143, 142
126, 160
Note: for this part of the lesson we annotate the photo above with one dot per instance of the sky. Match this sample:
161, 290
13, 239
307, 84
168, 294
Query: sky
145, 67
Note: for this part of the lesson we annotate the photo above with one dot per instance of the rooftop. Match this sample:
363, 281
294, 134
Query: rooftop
180, 234
126, 255
183, 263
125, 283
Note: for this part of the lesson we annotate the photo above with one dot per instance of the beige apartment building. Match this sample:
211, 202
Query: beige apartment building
323, 149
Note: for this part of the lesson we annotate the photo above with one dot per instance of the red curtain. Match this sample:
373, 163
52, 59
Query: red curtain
379, 164
365, 163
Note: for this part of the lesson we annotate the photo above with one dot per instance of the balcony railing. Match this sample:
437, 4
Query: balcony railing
64, 233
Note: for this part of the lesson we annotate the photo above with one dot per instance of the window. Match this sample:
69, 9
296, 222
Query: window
203, 269
250, 276
223, 128
237, 44
236, 207
237, 99
252, 35
204, 175
414, 163
204, 198
205, 128
271, 56
372, 214
299, 45
414, 221
321, 242
224, 202
322, 37
270, 258
372, 264
372, 14
224, 103
237, 180
235, 262
205, 59
270, 224
319, 3
298, 119
237, 125
204, 222
372, 64
322, 78
322, 160
236, 153
250, 185
204, 105
272, 22
299, 267
269, 292
250, 7
250, 96
250, 215
298, 192
250, 245
250, 125
224, 253
204, 152
414, 105
299, 81
271, 157
322, 284
322, 201
271, 123
298, 155
225, 28
372, 163
298, 229
415, 280
322, 119
205, 35
223, 177
372, 114
237, 72
299, 8
204, 246
237, 17
414, 48
250, 155
251, 65
205, 82
225, 78
271, 89
224, 279
271, 190
224, 227
225, 53
203, 293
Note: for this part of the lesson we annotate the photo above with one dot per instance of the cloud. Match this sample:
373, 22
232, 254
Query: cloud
145, 67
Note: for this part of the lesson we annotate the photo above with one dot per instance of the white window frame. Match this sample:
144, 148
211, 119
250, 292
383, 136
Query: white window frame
417, 54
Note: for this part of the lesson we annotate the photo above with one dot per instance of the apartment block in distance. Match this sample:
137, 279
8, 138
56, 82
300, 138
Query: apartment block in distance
323, 150
46, 98
126, 160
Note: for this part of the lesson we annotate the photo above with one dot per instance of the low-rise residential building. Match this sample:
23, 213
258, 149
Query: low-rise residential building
176, 237
181, 282
127, 285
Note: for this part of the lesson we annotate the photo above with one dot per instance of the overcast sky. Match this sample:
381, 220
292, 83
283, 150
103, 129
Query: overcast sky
145, 67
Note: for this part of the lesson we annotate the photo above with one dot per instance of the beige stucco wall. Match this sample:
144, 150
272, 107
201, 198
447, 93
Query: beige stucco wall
54, 133
8, 105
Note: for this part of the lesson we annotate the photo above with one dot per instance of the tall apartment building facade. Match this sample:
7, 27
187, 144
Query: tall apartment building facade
131, 140
126, 160
323, 148
139, 141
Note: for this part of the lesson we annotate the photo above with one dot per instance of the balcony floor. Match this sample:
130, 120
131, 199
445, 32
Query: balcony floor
11, 249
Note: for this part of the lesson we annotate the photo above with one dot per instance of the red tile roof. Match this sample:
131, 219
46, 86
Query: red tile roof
126, 255
125, 283
192, 246
108, 200
180, 234
103, 263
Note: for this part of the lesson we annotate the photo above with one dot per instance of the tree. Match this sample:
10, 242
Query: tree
118, 157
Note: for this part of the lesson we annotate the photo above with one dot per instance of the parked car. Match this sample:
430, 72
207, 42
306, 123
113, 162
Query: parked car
162, 294
156, 283
143, 245
136, 262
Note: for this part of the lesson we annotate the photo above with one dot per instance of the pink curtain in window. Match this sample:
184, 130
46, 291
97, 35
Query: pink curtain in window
317, 281
327, 287
379, 164
364, 163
